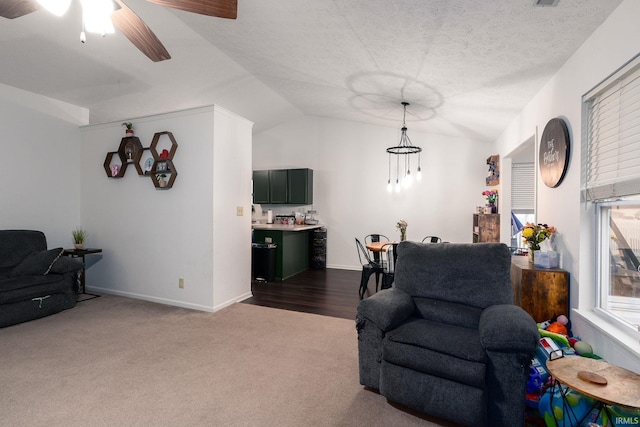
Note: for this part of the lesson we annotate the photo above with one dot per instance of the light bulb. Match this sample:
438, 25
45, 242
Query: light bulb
419, 174
97, 16
389, 186
408, 180
398, 186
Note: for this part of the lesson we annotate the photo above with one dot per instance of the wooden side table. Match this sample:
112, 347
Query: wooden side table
622, 387
81, 253
541, 292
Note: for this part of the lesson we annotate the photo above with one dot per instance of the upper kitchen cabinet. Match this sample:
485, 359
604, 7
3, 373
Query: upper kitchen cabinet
261, 192
300, 188
278, 186
283, 186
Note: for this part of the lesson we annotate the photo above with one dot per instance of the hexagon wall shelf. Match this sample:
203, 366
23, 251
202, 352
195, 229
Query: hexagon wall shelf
131, 151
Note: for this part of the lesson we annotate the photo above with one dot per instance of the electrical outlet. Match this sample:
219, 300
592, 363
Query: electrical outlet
181, 283
239, 211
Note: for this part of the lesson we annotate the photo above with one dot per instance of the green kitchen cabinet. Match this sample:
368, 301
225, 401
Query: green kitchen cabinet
278, 180
283, 186
261, 192
292, 250
300, 186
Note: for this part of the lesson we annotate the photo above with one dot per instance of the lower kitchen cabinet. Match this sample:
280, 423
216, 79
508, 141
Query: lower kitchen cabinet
292, 251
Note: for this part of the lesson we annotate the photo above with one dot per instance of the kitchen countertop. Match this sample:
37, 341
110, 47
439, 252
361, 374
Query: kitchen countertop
282, 227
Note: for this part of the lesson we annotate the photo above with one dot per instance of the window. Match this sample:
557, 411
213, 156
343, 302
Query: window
619, 269
612, 112
523, 178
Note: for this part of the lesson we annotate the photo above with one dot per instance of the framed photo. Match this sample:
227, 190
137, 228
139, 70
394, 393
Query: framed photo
162, 166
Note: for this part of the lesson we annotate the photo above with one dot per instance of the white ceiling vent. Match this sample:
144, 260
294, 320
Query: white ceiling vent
545, 3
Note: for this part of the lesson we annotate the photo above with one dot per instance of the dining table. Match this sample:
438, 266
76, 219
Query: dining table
379, 246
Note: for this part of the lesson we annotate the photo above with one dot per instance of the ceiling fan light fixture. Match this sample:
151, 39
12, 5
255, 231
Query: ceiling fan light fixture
57, 7
96, 16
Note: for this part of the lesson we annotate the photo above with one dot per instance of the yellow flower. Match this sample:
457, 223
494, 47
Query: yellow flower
527, 232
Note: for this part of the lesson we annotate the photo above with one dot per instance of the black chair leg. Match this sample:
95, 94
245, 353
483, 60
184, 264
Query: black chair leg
387, 280
364, 281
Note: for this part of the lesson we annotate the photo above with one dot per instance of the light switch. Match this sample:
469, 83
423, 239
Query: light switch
239, 211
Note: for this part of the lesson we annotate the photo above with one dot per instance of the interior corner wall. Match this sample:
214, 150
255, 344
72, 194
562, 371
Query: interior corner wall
614, 43
40, 173
151, 237
350, 167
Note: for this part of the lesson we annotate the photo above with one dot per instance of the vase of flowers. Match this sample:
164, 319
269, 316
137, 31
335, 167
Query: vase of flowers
492, 198
402, 226
534, 234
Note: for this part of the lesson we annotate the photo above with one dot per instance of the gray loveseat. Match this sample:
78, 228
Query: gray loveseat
447, 340
34, 282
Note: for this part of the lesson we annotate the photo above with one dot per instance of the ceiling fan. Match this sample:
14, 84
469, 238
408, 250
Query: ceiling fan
130, 24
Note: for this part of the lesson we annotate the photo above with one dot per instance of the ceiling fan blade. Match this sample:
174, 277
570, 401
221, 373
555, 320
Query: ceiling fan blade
219, 8
16, 8
138, 33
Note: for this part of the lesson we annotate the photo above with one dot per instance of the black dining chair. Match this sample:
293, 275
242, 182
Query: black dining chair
375, 238
369, 267
370, 238
389, 258
432, 239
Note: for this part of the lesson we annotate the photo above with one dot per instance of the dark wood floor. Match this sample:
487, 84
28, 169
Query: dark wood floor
329, 292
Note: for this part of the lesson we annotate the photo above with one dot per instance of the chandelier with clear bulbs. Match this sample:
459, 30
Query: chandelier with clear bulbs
403, 152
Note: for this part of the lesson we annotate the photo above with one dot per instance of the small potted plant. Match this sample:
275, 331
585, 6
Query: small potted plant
79, 237
162, 182
128, 128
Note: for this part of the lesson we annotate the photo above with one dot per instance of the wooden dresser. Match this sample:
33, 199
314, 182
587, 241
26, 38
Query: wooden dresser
541, 292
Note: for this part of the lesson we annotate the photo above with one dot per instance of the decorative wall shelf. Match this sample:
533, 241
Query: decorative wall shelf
494, 170
129, 147
161, 164
152, 165
109, 162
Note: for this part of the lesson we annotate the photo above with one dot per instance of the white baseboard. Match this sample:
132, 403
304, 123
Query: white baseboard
344, 267
167, 301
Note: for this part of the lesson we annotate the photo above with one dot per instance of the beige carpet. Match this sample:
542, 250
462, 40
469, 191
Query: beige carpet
115, 361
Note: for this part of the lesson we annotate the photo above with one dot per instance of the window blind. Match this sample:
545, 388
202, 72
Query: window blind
613, 132
523, 178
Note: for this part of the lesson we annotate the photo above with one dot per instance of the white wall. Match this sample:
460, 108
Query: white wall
613, 44
350, 176
40, 172
150, 237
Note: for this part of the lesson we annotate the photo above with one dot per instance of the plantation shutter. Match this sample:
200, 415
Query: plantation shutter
523, 178
613, 132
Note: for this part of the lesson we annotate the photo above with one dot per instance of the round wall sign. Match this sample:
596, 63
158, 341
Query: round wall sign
553, 158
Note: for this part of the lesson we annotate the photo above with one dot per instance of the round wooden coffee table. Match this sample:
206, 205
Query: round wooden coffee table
622, 387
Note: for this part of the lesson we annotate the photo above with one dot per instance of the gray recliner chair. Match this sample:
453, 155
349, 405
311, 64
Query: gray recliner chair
447, 340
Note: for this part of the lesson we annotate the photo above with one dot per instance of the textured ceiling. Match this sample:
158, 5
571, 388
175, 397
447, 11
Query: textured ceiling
467, 67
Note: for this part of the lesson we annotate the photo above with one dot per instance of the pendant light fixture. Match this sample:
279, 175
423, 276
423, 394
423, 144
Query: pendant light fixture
403, 152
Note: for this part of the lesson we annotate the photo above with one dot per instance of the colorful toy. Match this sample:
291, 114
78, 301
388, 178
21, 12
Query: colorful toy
574, 408
558, 328
582, 348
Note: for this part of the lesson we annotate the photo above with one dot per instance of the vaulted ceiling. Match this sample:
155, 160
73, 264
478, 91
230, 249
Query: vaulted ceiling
467, 67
